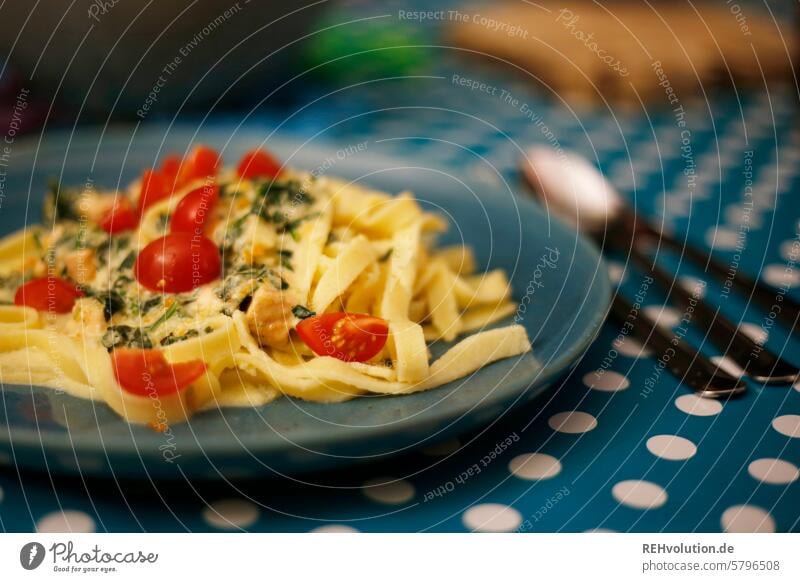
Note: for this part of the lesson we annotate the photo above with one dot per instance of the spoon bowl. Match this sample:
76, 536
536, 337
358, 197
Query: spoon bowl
573, 189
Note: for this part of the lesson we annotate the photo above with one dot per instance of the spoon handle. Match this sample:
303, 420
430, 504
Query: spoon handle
785, 308
673, 353
757, 361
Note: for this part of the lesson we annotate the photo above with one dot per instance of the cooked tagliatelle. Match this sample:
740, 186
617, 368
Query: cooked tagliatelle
200, 287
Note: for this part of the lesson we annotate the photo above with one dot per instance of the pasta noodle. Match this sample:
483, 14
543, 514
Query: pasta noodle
296, 253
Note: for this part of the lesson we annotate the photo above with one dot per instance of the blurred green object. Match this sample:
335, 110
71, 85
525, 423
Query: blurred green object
367, 49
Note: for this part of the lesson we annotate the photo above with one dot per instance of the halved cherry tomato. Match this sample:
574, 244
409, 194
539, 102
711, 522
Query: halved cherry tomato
147, 372
352, 337
193, 210
120, 217
177, 262
48, 294
203, 162
154, 188
258, 164
170, 166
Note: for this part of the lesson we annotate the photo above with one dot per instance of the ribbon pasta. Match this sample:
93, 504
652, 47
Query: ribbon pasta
323, 245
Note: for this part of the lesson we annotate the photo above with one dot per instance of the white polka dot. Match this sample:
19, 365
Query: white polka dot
773, 471
662, 315
740, 216
573, 422
616, 272
697, 406
68, 521
727, 365
725, 239
755, 332
747, 519
492, 517
388, 490
606, 381
630, 347
334, 528
781, 275
788, 424
231, 514
534, 466
671, 447
639, 494
697, 287
442, 449
790, 250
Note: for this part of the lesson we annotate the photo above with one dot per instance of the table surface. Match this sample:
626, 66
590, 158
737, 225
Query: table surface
625, 449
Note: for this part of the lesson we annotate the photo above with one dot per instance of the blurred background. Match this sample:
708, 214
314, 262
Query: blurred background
310, 63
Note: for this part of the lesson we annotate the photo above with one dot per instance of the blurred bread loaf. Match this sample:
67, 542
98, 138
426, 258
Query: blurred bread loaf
587, 52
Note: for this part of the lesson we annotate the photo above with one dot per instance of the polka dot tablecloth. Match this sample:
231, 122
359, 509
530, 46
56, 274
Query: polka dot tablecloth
616, 445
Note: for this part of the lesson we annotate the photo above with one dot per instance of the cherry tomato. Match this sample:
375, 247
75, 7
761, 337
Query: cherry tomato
48, 294
203, 162
178, 262
154, 188
147, 372
352, 337
258, 164
170, 166
120, 217
193, 210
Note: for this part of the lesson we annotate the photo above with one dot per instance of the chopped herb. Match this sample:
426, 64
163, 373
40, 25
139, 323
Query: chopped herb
302, 312
286, 259
292, 225
385, 256
128, 261
252, 271
332, 238
149, 304
292, 191
163, 221
208, 329
232, 233
113, 303
173, 339
122, 282
125, 336
37, 240
170, 311
59, 203
111, 245
111, 300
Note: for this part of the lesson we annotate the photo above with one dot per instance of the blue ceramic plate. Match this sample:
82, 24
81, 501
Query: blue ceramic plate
558, 277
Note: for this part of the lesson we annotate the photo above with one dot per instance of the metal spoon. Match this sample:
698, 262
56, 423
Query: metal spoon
572, 188
606, 209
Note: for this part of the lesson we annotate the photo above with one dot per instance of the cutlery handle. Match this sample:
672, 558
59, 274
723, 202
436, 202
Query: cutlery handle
788, 310
755, 360
677, 356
